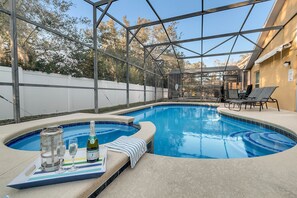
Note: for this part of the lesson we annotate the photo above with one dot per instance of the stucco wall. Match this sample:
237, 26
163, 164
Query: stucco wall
272, 71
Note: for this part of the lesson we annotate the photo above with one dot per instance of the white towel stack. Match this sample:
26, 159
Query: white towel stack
133, 147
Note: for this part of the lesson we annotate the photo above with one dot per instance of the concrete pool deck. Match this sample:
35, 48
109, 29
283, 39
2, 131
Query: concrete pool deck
160, 176
269, 176
13, 162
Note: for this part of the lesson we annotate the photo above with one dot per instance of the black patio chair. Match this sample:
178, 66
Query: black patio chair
253, 96
221, 95
232, 95
267, 93
248, 91
263, 98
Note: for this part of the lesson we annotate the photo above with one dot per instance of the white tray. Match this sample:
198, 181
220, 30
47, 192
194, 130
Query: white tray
33, 176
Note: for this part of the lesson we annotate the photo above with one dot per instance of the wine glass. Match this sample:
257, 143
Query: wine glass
61, 149
72, 151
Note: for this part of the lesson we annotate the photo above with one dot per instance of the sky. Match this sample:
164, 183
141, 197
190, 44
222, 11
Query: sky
217, 23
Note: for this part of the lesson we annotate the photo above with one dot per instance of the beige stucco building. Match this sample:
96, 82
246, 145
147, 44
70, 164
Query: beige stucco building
272, 72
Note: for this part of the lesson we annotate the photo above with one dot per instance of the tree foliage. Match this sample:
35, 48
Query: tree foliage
40, 50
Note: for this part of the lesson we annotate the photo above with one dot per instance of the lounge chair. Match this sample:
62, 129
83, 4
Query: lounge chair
263, 98
216, 94
232, 95
252, 97
221, 96
248, 91
267, 93
175, 95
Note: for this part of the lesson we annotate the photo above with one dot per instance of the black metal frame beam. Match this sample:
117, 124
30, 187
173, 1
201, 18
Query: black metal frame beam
202, 33
127, 70
103, 13
219, 36
128, 41
67, 37
162, 53
219, 54
101, 3
251, 41
95, 61
242, 25
5, 11
149, 52
14, 63
65, 86
200, 13
89, 2
46, 28
134, 35
271, 20
164, 28
218, 45
113, 18
175, 54
208, 72
185, 48
130, 31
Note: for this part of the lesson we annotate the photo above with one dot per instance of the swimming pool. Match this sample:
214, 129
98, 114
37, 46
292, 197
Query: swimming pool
189, 131
106, 132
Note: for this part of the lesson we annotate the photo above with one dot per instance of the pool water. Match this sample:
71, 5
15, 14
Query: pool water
189, 131
106, 132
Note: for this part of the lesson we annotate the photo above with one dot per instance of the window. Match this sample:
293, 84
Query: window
257, 83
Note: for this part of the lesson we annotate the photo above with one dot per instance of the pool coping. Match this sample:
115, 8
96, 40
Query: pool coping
12, 166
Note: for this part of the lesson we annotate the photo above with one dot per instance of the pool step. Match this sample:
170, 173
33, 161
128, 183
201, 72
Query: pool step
254, 140
238, 133
249, 149
273, 140
265, 141
276, 139
243, 150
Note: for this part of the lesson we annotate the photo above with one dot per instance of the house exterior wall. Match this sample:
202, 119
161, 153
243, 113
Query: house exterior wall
272, 70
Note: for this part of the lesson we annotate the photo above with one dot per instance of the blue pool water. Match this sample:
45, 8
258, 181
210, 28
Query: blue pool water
200, 132
106, 132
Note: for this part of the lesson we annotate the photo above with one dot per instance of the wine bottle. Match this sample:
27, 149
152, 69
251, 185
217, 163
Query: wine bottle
92, 145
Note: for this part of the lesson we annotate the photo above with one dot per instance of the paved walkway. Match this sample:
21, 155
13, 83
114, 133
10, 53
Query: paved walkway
269, 176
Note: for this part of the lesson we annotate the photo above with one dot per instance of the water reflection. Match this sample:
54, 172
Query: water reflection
200, 132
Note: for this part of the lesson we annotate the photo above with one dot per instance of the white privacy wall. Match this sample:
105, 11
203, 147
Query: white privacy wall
47, 100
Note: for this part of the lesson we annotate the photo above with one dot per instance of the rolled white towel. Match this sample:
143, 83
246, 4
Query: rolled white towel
133, 147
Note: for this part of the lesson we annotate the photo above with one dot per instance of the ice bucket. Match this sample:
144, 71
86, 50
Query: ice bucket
50, 138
